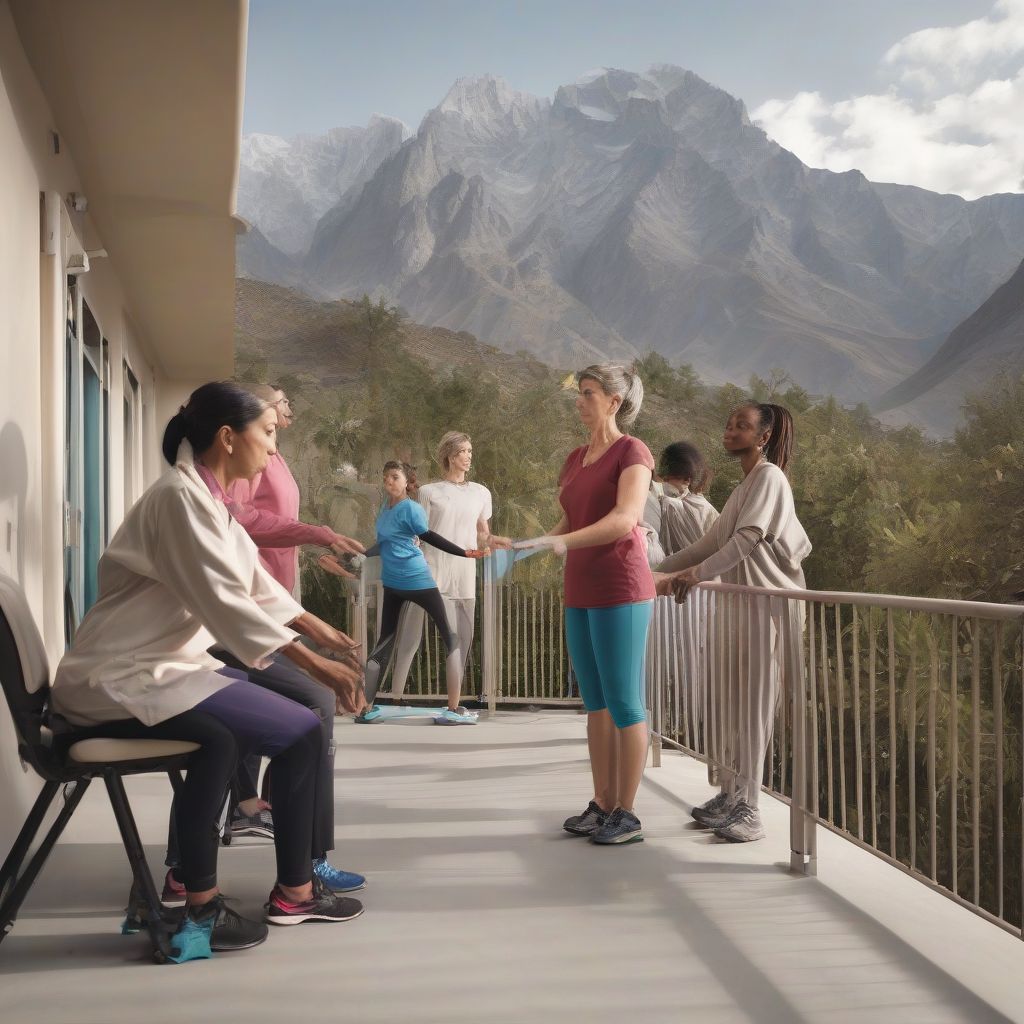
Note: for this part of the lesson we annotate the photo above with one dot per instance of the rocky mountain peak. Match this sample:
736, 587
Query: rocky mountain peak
485, 97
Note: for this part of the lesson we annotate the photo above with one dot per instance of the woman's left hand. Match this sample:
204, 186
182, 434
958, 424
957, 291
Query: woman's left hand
501, 543
554, 543
683, 581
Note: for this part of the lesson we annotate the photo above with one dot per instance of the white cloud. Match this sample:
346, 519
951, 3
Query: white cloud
950, 121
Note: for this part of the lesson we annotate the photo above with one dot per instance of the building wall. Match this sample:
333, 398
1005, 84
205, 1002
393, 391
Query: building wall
32, 338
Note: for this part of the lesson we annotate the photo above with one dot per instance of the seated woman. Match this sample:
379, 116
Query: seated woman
179, 576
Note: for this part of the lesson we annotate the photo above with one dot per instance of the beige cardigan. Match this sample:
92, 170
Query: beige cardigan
179, 576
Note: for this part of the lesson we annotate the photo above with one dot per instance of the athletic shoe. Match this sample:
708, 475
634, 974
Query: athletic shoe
260, 824
743, 825
322, 906
449, 717
621, 826
715, 811
214, 928
174, 891
463, 710
368, 715
587, 823
335, 879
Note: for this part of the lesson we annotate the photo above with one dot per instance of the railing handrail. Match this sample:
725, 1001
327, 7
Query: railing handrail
935, 605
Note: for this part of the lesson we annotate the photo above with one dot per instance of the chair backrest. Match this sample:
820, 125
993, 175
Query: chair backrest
25, 676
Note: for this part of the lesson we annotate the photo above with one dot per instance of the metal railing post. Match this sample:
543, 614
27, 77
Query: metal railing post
488, 647
802, 838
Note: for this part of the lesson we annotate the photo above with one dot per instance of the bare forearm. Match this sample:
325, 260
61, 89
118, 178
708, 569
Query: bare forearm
612, 527
321, 633
302, 656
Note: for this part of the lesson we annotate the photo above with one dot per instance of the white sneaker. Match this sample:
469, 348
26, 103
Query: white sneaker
743, 825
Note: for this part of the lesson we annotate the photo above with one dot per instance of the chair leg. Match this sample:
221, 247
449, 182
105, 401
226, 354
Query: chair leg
143, 878
14, 887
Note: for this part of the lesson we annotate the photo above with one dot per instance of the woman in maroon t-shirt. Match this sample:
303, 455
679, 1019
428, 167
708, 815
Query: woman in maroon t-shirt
609, 594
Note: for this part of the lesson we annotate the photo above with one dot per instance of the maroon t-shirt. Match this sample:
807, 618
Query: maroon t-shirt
610, 574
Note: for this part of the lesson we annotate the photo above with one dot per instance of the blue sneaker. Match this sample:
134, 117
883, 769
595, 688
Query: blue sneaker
367, 715
449, 717
335, 879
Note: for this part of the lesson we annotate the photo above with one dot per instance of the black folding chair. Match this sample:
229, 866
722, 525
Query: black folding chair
63, 762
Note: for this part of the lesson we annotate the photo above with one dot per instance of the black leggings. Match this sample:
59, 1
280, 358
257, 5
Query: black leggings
380, 657
234, 721
287, 679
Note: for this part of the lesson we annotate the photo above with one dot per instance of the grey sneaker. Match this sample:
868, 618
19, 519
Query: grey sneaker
260, 824
715, 812
587, 823
743, 825
621, 826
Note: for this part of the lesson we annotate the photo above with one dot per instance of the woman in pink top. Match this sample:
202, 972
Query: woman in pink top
609, 594
267, 508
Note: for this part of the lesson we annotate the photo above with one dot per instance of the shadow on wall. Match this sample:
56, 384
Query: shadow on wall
17, 787
13, 496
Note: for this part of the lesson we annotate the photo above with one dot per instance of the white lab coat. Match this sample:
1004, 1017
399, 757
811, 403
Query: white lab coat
179, 576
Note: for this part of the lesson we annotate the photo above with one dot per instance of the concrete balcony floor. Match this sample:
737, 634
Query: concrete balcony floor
479, 909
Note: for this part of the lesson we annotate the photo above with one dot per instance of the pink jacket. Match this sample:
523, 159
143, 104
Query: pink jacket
268, 509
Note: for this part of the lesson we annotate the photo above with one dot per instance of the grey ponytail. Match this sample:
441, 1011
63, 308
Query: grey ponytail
617, 381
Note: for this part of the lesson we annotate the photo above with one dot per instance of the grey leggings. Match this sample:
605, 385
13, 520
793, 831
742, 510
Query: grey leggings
461, 614
429, 599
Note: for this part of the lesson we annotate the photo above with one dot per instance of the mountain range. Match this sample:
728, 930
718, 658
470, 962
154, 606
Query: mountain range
989, 342
631, 212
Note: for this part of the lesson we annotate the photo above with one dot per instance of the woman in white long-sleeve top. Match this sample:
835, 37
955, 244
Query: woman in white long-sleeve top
679, 515
179, 576
757, 541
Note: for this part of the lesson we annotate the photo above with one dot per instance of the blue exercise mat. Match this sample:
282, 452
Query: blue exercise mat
394, 711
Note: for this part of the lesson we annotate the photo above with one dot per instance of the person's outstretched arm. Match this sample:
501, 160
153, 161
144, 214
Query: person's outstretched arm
435, 540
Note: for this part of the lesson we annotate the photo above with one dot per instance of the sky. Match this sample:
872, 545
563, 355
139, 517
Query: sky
925, 92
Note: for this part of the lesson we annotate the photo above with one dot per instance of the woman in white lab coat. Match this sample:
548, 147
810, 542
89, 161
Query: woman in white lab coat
756, 542
179, 576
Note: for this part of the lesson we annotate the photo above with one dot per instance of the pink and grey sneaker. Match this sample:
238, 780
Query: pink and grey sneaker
323, 906
174, 891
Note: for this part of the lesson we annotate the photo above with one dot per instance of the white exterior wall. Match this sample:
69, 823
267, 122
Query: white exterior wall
32, 326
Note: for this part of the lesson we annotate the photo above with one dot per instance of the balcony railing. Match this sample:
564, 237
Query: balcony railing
900, 724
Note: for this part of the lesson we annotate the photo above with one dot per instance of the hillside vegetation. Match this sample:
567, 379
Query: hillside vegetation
887, 510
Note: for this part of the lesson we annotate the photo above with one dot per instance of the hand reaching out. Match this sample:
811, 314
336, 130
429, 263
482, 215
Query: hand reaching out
555, 544
331, 564
346, 545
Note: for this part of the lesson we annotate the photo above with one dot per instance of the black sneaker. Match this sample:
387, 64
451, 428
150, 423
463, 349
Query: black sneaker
227, 929
621, 826
260, 824
587, 823
323, 906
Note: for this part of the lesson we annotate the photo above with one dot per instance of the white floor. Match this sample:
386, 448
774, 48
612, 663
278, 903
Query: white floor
479, 909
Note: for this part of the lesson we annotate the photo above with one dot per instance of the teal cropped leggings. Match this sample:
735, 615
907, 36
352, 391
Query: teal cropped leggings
606, 647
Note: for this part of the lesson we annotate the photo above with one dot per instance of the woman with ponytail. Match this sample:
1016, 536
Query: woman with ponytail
756, 542
179, 576
609, 595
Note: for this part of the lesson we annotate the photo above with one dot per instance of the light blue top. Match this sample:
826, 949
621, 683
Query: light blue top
403, 566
